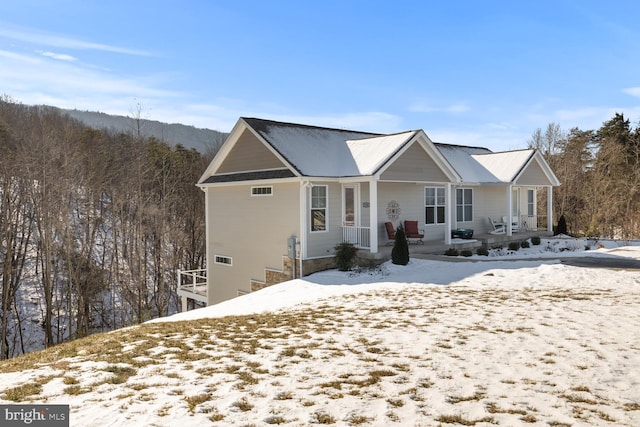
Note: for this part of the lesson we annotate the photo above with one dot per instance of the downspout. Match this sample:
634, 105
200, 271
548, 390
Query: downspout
301, 246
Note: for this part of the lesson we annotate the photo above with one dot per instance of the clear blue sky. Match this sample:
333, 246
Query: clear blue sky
482, 73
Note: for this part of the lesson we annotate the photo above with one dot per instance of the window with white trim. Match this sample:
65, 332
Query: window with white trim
464, 204
531, 203
434, 207
224, 260
261, 191
319, 208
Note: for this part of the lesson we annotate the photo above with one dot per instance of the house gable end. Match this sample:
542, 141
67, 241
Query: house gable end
249, 154
415, 164
536, 172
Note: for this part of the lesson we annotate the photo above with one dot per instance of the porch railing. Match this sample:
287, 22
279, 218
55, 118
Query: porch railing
192, 282
534, 222
358, 236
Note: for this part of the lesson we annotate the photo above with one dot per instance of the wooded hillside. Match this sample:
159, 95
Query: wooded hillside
600, 175
93, 226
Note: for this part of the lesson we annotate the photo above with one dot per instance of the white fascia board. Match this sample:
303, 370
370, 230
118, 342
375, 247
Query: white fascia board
252, 182
543, 165
224, 150
275, 152
423, 139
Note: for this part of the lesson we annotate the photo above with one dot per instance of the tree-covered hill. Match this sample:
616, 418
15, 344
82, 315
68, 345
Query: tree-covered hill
94, 224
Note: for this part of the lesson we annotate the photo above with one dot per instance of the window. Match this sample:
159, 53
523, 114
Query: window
261, 191
319, 208
224, 260
464, 204
531, 204
434, 205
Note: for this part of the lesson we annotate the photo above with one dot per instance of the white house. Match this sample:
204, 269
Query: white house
277, 191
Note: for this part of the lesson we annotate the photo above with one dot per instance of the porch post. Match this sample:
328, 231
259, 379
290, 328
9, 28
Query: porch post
509, 221
373, 216
550, 209
449, 216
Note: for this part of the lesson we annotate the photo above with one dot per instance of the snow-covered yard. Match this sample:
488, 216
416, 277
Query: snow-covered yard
518, 342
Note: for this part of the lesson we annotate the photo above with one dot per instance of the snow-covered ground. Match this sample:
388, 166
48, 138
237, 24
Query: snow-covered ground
505, 342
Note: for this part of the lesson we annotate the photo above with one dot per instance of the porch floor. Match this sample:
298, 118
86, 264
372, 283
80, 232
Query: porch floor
439, 247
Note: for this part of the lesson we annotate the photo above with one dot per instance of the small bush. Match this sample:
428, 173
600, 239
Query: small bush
452, 252
524, 244
514, 246
345, 255
466, 253
482, 251
400, 251
535, 240
561, 228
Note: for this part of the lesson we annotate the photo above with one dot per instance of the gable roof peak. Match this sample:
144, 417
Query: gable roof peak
259, 124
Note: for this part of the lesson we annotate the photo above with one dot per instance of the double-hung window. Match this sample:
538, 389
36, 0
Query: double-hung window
434, 205
319, 208
464, 204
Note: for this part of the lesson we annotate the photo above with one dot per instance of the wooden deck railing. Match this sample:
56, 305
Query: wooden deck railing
193, 281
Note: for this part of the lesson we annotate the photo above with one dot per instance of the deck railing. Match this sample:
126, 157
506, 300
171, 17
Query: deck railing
534, 222
192, 281
358, 236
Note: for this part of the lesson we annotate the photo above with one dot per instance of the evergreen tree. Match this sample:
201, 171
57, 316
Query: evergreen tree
400, 251
561, 228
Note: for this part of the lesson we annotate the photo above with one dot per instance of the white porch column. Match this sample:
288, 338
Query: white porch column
373, 216
449, 202
184, 303
509, 222
550, 209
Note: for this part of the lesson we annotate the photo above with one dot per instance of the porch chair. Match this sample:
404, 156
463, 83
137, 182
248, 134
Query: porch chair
412, 232
514, 225
391, 232
498, 227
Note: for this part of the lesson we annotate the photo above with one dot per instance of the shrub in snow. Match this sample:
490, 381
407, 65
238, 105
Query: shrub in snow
451, 252
482, 251
561, 228
524, 244
345, 255
514, 246
535, 240
466, 252
400, 251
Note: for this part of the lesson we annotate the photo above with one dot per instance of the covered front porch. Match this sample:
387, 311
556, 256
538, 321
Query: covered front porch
432, 247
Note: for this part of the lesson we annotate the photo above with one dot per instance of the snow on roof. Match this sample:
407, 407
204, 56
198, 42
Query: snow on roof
505, 165
371, 153
463, 161
308, 148
327, 152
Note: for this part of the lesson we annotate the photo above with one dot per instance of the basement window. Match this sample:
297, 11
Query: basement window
224, 260
261, 191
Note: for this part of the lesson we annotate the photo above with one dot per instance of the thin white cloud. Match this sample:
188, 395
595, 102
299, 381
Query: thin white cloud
456, 108
58, 56
633, 91
41, 38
